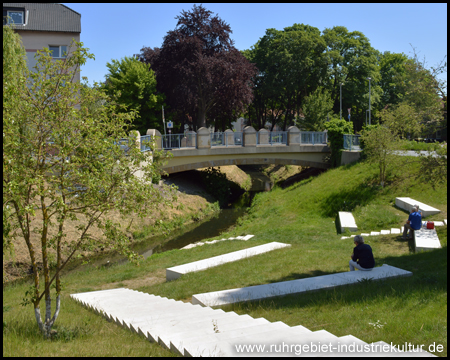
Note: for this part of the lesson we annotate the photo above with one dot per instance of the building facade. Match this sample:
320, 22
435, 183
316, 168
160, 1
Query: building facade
44, 25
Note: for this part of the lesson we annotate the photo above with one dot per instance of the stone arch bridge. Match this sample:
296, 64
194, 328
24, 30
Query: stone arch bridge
205, 149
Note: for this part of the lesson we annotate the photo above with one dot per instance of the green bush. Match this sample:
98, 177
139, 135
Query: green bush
336, 129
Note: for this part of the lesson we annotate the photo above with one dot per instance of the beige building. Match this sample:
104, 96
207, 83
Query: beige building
42, 25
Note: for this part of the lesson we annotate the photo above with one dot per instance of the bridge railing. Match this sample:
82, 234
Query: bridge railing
145, 141
176, 141
233, 138
272, 138
313, 137
352, 142
227, 138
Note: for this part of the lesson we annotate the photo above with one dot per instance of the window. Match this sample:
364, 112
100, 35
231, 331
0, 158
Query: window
58, 51
15, 17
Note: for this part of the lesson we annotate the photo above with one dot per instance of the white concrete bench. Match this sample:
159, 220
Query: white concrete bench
177, 271
295, 286
347, 221
426, 239
407, 204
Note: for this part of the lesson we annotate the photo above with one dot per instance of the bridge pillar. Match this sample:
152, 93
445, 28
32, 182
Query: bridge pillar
203, 138
155, 133
263, 135
293, 136
249, 136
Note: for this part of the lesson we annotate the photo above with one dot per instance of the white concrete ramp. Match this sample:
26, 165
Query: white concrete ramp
192, 330
407, 204
295, 286
177, 271
347, 221
426, 239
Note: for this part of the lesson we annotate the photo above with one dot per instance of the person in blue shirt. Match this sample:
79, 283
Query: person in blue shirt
362, 257
414, 223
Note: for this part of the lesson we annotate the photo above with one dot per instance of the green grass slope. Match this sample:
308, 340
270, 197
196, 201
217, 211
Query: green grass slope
398, 311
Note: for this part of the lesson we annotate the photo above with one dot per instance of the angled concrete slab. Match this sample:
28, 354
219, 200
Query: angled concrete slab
406, 203
177, 271
426, 239
265, 291
347, 221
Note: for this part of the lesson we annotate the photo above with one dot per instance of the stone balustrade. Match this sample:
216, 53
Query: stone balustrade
250, 138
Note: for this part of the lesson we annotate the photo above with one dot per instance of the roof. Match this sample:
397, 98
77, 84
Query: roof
47, 17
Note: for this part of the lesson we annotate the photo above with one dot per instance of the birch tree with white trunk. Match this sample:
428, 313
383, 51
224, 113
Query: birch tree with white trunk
62, 161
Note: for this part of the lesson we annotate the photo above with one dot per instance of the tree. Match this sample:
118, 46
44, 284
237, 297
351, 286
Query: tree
352, 61
379, 146
433, 167
393, 72
316, 107
134, 83
14, 67
402, 119
198, 67
63, 162
291, 65
422, 90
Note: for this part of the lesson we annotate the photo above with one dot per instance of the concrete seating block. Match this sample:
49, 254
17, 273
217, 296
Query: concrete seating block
365, 234
177, 271
395, 231
347, 221
426, 239
438, 223
445, 221
374, 233
407, 203
385, 232
345, 237
295, 286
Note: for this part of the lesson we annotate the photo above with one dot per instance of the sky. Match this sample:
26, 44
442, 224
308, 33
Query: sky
115, 30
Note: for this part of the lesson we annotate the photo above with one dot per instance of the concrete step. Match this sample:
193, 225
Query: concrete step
167, 334
270, 340
347, 221
265, 291
166, 315
175, 340
407, 203
175, 272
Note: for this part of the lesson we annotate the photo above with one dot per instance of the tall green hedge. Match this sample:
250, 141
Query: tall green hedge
336, 129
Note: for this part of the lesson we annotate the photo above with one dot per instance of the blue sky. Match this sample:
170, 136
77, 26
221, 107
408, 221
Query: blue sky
113, 31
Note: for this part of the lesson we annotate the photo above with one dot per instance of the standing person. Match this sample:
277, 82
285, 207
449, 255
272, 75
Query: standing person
362, 257
414, 222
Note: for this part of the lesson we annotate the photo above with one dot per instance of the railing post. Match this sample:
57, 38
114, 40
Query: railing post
155, 133
229, 137
249, 137
293, 136
263, 137
203, 138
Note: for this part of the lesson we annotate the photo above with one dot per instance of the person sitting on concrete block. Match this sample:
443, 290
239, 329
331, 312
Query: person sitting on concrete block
362, 257
414, 222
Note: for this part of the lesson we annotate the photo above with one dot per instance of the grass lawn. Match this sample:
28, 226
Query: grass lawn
411, 309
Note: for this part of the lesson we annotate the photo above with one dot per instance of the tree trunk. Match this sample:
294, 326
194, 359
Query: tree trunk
201, 119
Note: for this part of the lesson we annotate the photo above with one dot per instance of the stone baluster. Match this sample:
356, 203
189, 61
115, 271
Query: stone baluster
203, 138
294, 137
249, 137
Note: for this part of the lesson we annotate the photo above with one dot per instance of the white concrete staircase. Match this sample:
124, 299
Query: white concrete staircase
192, 330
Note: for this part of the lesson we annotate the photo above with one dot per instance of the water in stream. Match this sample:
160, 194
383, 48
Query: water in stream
209, 228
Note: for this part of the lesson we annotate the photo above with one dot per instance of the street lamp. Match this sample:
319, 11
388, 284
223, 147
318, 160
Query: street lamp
340, 112
369, 100
366, 116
